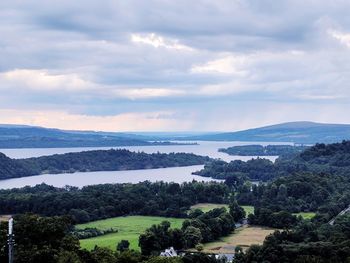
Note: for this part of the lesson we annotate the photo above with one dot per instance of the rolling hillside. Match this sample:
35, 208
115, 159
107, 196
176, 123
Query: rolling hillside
22, 136
297, 132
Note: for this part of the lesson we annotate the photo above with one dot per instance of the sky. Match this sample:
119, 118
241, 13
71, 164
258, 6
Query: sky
133, 65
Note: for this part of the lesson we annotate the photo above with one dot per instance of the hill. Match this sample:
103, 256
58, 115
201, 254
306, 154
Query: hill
22, 136
297, 132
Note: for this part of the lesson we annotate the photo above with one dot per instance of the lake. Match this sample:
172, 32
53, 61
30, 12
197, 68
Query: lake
174, 174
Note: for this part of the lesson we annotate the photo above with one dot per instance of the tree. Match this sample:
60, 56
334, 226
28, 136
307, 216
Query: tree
192, 236
236, 211
199, 247
123, 245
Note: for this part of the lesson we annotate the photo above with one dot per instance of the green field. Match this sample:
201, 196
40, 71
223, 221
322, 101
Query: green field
205, 207
248, 209
305, 215
243, 237
129, 228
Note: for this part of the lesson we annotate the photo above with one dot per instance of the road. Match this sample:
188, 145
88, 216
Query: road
346, 210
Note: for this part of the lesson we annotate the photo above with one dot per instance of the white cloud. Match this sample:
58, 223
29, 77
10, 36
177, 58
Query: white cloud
227, 65
343, 38
145, 93
42, 80
158, 41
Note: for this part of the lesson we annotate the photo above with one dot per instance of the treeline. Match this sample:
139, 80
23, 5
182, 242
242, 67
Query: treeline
307, 242
255, 169
111, 200
326, 194
92, 232
48, 240
200, 228
332, 159
99, 160
267, 217
259, 150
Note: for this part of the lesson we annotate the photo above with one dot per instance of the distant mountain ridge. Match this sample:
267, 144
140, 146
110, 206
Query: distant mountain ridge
23, 136
303, 132
298, 132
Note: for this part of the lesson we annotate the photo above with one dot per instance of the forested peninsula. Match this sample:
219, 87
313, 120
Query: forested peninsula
98, 160
321, 158
259, 150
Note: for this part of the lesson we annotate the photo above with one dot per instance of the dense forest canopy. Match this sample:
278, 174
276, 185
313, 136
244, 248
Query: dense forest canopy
259, 150
98, 160
200, 228
111, 200
321, 158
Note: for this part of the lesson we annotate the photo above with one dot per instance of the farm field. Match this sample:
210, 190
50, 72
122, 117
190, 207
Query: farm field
129, 228
243, 237
248, 209
205, 207
305, 215
4, 218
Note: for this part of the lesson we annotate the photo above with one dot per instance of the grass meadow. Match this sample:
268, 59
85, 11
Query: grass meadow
129, 228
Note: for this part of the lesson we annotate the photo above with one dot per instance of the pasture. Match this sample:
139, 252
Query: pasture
129, 228
305, 215
4, 218
243, 237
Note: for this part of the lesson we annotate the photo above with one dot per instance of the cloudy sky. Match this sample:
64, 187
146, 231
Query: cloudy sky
132, 65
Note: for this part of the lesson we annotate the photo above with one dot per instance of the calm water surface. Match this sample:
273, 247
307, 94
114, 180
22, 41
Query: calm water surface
176, 174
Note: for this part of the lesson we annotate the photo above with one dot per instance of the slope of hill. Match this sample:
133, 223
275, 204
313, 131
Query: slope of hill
22, 136
10, 168
297, 132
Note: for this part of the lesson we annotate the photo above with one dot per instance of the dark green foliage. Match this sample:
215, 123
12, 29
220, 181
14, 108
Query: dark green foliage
10, 168
157, 238
321, 158
266, 217
111, 200
255, 169
99, 160
327, 194
205, 227
164, 260
200, 258
236, 211
259, 150
91, 232
41, 239
123, 245
192, 236
307, 242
